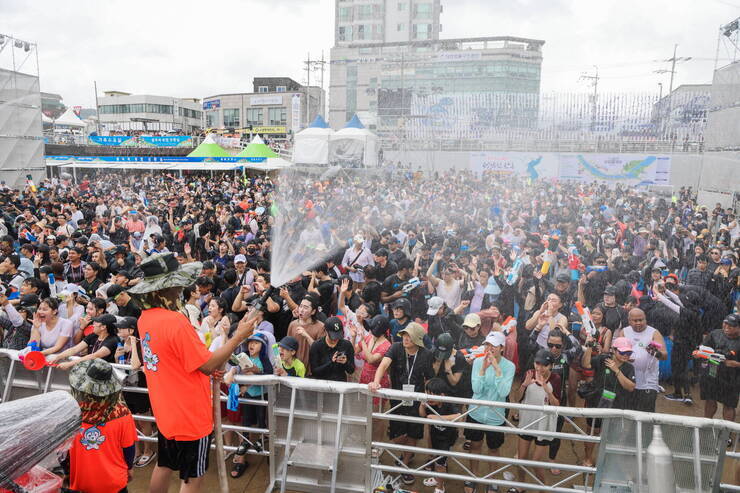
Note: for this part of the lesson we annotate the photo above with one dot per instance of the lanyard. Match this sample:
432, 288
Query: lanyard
408, 381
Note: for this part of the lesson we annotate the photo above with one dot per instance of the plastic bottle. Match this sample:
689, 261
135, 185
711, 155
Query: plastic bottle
121, 358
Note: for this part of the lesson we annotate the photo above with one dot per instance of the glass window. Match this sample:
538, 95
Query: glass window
231, 117
263, 89
401, 6
422, 31
345, 13
278, 116
281, 89
361, 31
212, 119
401, 27
423, 10
255, 116
364, 12
345, 33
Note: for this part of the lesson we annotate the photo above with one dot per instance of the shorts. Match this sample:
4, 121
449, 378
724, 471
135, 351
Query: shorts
137, 402
712, 389
254, 415
443, 444
644, 400
397, 429
537, 441
494, 439
189, 457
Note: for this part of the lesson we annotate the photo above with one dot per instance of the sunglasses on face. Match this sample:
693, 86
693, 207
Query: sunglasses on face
624, 353
554, 346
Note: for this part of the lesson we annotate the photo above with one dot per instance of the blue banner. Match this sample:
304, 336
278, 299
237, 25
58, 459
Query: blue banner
109, 140
175, 141
157, 159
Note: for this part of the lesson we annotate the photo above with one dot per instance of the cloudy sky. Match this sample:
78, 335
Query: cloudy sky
195, 49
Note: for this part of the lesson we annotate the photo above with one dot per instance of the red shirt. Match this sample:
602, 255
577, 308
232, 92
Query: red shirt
179, 392
97, 464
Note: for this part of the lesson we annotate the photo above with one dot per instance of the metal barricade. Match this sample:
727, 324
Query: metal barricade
320, 439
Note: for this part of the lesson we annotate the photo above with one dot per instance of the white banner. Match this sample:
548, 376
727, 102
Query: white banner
634, 169
265, 100
295, 121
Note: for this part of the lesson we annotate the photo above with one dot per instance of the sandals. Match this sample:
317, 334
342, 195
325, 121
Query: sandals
466, 445
430, 482
237, 469
145, 459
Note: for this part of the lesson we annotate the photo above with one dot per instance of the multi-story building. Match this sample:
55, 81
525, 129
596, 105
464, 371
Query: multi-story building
382, 82
52, 105
277, 106
125, 111
386, 21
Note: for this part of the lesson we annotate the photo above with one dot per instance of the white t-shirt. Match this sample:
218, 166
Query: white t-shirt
63, 328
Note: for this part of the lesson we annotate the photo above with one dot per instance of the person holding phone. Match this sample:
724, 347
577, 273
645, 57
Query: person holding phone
332, 357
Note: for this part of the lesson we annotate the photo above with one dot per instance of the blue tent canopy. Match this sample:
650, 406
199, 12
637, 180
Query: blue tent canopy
354, 123
319, 122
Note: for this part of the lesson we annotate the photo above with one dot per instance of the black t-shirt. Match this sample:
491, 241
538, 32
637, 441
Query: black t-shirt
392, 284
604, 378
281, 318
371, 292
458, 366
91, 287
94, 344
419, 366
382, 273
131, 309
439, 432
722, 344
326, 293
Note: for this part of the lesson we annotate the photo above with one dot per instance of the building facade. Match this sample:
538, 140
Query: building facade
387, 84
122, 111
386, 21
277, 106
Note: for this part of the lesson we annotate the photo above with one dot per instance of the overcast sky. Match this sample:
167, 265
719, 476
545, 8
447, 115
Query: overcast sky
196, 49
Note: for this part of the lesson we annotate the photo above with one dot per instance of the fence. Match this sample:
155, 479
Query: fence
320, 439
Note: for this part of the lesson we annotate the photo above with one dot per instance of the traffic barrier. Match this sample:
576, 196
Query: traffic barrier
320, 439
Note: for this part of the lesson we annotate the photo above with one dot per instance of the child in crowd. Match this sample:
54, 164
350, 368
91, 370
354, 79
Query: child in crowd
254, 415
289, 366
102, 453
442, 437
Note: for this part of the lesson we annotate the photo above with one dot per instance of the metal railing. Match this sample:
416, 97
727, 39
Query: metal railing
291, 400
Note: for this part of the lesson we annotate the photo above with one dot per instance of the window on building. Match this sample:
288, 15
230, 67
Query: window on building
361, 32
277, 116
281, 88
345, 14
211, 119
263, 89
364, 12
231, 118
255, 116
423, 10
401, 27
401, 6
345, 33
422, 31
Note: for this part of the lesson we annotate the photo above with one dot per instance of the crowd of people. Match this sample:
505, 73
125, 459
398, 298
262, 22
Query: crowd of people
486, 287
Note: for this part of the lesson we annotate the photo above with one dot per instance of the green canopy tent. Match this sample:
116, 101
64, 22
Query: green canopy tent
257, 148
209, 148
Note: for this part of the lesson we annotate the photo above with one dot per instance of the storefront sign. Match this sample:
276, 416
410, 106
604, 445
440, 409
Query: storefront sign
265, 100
212, 104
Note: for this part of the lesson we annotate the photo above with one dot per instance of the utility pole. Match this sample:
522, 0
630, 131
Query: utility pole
97, 107
672, 71
314, 65
595, 83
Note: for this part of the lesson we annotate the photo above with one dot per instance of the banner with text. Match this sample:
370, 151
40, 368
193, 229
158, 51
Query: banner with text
109, 140
634, 169
174, 141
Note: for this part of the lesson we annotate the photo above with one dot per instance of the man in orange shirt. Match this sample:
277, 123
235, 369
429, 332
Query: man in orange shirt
102, 452
177, 365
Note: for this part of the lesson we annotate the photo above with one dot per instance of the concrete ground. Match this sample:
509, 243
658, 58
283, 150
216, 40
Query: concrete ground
256, 477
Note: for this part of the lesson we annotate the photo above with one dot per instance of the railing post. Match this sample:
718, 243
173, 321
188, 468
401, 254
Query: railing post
661, 477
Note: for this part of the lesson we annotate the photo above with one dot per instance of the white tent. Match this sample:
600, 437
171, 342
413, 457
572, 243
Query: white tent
46, 119
69, 119
312, 144
354, 145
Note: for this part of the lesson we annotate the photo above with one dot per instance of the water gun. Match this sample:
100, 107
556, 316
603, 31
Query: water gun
508, 325
574, 264
514, 274
473, 352
586, 320
709, 354
410, 285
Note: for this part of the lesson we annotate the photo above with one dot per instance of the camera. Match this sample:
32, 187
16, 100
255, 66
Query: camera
359, 267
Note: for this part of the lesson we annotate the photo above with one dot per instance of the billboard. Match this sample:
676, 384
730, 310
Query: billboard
633, 169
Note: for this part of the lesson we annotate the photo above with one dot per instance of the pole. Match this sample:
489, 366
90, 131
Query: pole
223, 481
97, 107
670, 86
596, 94
308, 88
322, 108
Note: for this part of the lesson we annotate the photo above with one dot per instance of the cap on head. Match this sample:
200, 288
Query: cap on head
733, 320
622, 344
495, 339
288, 342
472, 320
434, 304
334, 327
443, 346
563, 277
544, 357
